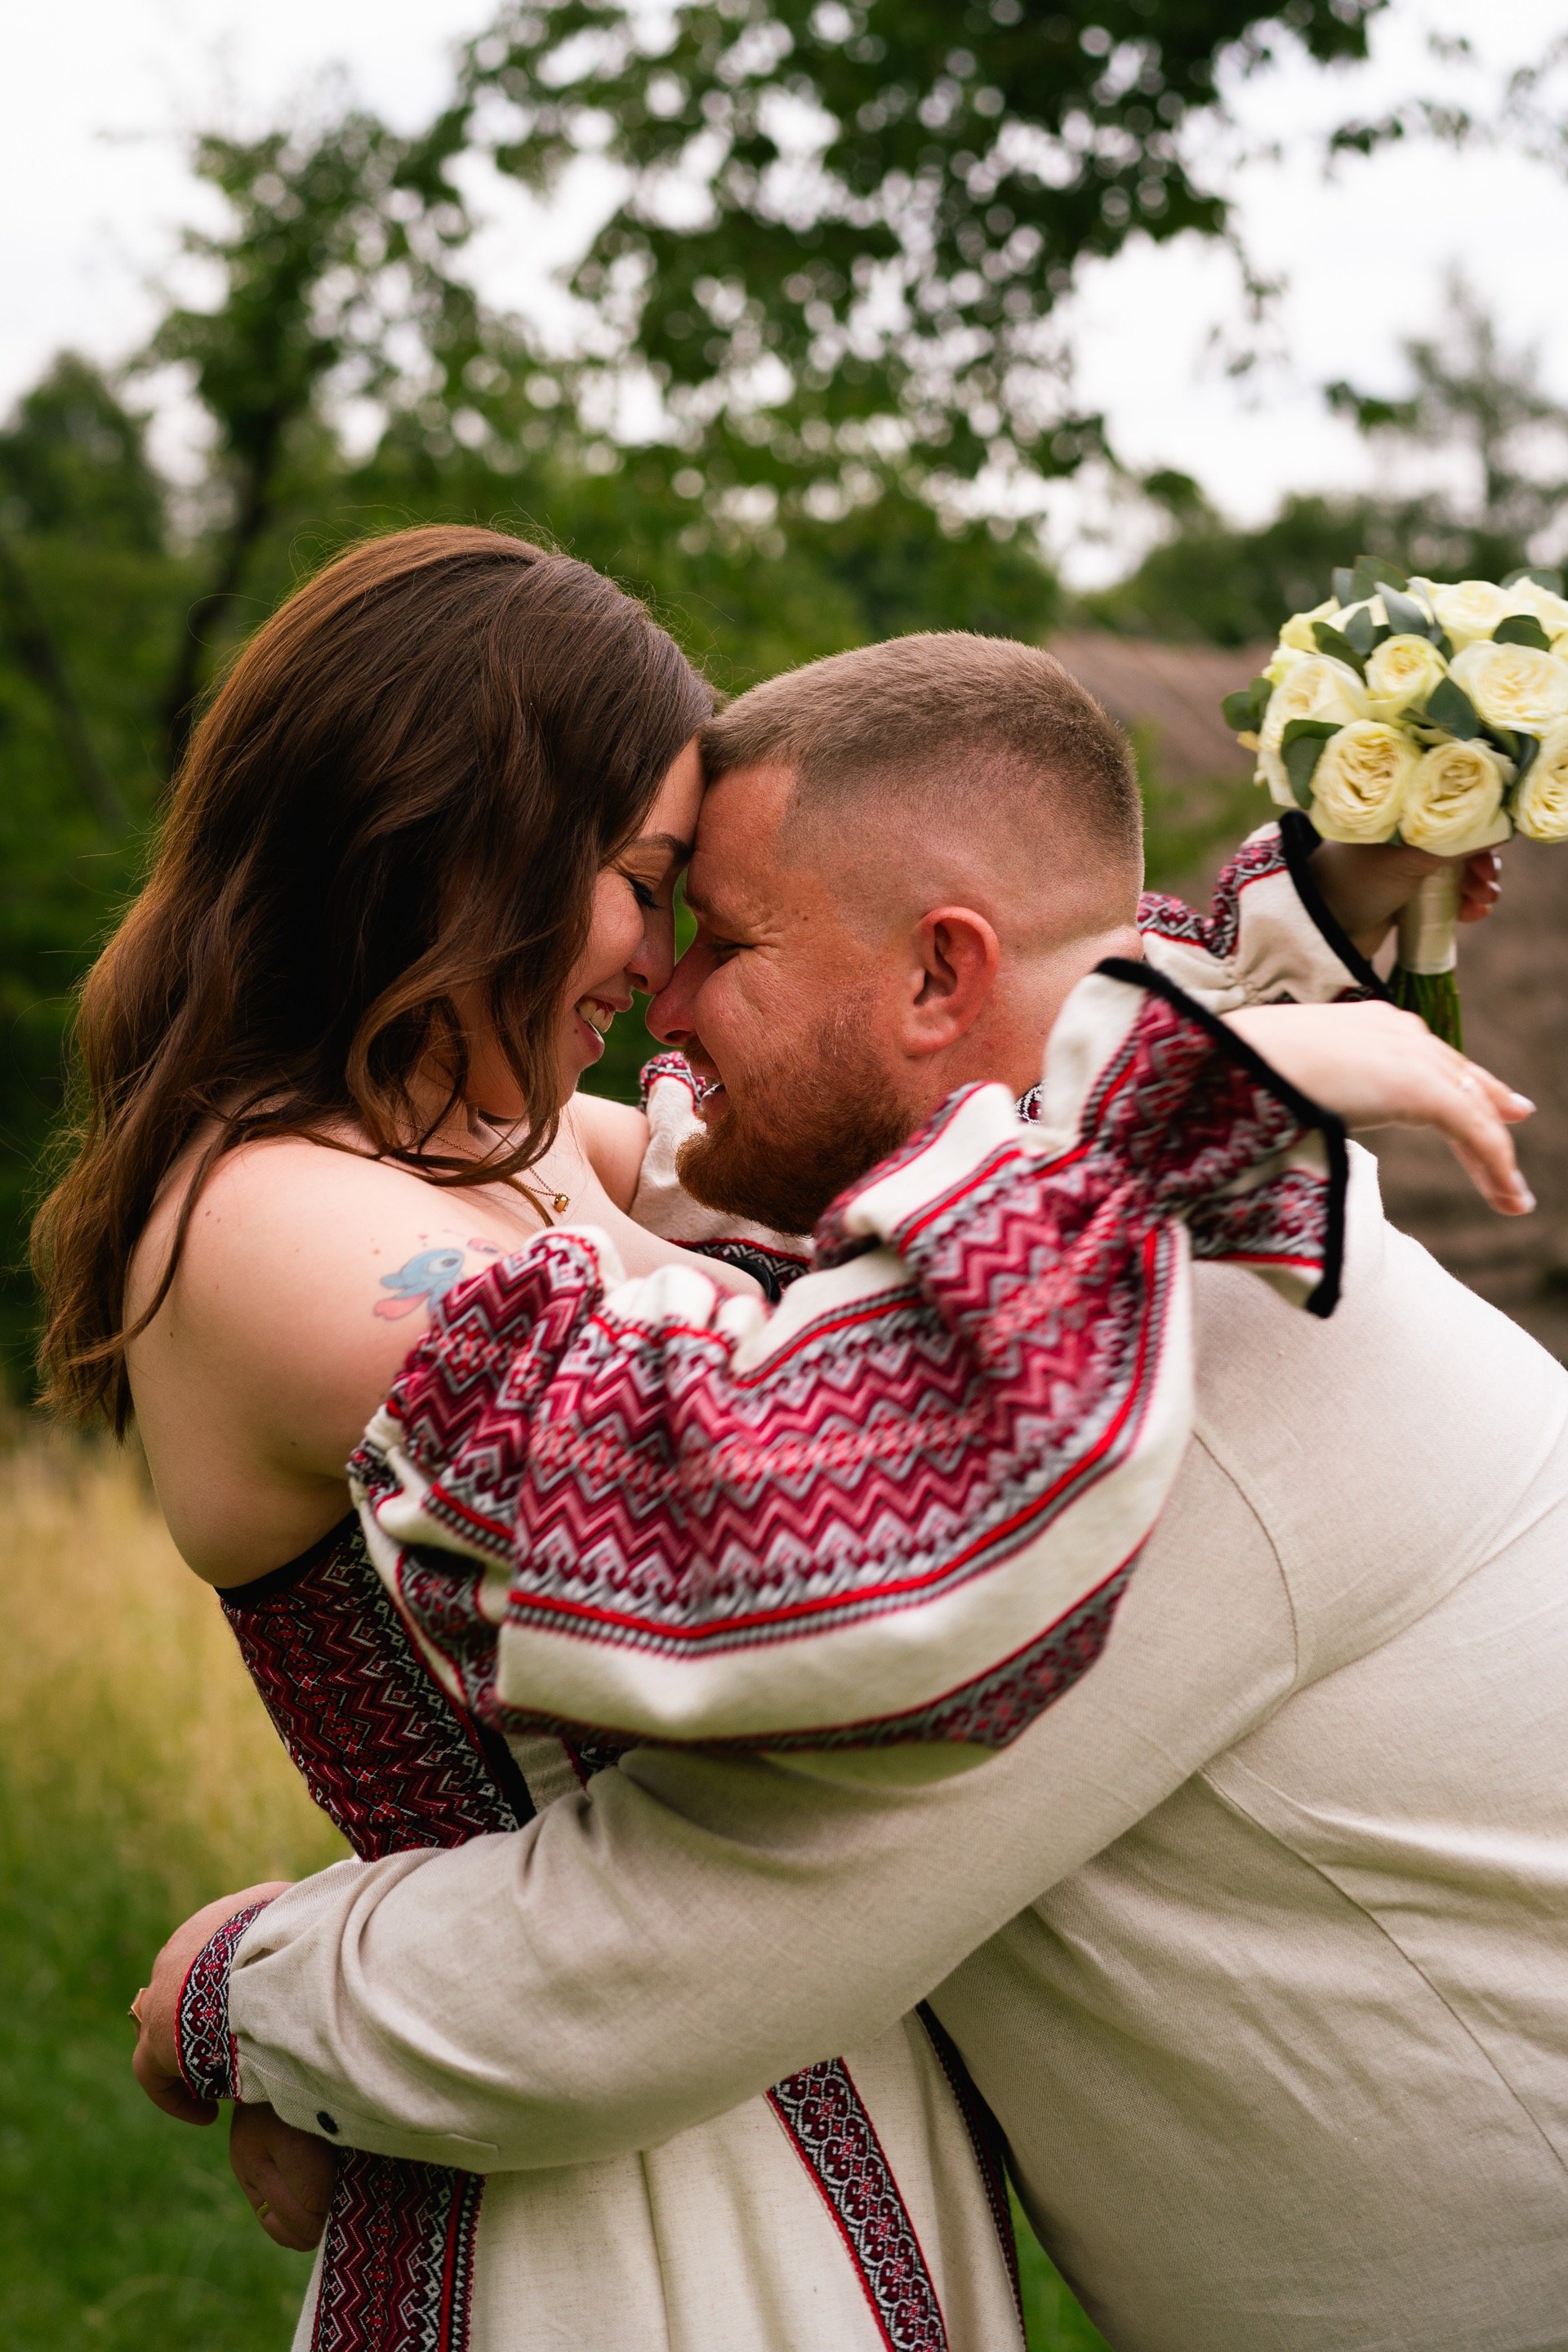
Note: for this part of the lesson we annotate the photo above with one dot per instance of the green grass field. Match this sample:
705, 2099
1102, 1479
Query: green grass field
138, 1777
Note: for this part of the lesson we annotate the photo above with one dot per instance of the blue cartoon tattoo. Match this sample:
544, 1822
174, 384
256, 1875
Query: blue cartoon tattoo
424, 1280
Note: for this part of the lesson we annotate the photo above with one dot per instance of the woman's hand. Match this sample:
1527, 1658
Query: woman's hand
1366, 887
1378, 1067
287, 2175
155, 2064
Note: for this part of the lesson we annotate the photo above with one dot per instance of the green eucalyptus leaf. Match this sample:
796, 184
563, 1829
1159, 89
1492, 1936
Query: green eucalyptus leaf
1237, 710
1318, 730
1445, 643
1450, 708
1389, 574
1361, 633
1521, 629
1302, 756
1364, 577
1406, 618
1342, 584
1543, 574
1260, 690
1342, 648
1525, 749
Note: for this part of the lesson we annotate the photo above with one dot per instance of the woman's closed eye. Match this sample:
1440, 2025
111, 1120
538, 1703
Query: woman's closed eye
646, 898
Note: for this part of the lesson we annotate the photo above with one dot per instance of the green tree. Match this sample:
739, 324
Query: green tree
1473, 398
338, 282
845, 224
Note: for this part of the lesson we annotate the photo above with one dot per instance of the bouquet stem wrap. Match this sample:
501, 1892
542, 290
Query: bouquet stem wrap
1424, 980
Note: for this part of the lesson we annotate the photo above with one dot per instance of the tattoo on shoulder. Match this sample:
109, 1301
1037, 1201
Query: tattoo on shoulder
425, 1279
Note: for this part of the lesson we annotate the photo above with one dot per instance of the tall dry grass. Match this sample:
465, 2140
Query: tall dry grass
123, 1702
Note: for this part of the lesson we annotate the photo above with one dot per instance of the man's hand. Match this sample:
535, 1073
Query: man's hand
1367, 887
155, 2064
1378, 1067
286, 2176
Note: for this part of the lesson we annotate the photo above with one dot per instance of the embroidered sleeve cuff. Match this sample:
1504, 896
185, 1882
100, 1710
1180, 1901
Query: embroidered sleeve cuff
1270, 934
209, 2059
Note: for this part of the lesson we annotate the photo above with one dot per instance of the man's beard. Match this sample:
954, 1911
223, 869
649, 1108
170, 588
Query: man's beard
805, 1128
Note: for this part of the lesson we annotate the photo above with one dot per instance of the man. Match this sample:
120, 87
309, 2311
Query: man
1249, 1941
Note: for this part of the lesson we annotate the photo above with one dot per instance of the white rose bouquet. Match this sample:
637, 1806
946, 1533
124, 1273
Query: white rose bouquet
1408, 710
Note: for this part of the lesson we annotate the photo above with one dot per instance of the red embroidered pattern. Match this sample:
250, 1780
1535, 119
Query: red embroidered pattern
395, 1765
204, 2044
644, 1495
1218, 932
837, 2141
397, 2267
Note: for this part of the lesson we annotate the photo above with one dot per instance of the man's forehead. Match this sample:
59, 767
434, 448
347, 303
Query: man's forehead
735, 862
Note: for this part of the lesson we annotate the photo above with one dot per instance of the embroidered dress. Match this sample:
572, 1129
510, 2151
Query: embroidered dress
859, 2208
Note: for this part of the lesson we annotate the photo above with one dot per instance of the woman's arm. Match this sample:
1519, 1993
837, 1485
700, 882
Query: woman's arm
614, 1138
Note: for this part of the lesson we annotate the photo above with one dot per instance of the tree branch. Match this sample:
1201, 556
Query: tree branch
41, 659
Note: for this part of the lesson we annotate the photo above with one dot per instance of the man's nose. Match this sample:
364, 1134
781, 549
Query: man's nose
669, 1016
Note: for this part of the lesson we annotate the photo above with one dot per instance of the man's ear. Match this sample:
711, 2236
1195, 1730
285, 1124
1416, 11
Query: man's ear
956, 957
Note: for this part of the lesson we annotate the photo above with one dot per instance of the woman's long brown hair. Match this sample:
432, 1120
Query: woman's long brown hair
405, 786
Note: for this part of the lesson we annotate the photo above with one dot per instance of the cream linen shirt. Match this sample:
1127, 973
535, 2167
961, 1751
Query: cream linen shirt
1255, 1942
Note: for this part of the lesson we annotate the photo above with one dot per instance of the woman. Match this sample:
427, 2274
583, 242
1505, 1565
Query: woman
422, 851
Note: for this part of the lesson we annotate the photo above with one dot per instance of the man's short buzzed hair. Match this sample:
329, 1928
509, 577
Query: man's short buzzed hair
982, 728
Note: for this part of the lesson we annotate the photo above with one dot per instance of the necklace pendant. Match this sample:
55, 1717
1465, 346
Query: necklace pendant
560, 1203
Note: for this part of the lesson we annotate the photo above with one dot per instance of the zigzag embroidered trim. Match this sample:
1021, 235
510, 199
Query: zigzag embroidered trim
1218, 931
397, 2267
774, 1269
386, 1755
831, 2132
208, 2059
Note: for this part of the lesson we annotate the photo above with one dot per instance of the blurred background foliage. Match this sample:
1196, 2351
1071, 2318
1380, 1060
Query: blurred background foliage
820, 363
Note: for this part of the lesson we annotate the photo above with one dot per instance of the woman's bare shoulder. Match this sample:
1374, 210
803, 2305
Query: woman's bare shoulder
305, 1275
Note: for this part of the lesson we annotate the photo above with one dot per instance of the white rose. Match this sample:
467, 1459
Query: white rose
1400, 672
1317, 687
1360, 781
1541, 809
1514, 686
1454, 802
1550, 609
1297, 636
1471, 610
1284, 660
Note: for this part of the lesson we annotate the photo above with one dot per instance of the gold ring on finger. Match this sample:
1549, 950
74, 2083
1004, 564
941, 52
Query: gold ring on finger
263, 2209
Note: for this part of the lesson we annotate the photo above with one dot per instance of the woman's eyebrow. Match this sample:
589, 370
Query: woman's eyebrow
668, 842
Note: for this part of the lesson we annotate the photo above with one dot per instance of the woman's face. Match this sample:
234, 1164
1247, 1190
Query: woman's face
630, 943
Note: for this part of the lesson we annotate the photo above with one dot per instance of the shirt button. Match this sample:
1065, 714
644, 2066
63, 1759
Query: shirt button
327, 2122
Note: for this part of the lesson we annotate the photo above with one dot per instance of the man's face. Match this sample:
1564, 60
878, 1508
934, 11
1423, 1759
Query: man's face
785, 1009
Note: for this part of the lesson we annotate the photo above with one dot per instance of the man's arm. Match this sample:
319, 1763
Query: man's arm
691, 1927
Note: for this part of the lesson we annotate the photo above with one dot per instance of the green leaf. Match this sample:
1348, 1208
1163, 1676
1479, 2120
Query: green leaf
1543, 576
1389, 575
1330, 641
1300, 730
1450, 706
1406, 618
1343, 585
1521, 629
1244, 709
1360, 634
1301, 754
1364, 577
1525, 747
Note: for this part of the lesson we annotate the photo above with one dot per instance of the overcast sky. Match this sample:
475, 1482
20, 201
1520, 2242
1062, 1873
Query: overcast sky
95, 100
